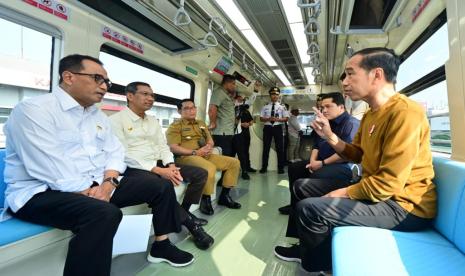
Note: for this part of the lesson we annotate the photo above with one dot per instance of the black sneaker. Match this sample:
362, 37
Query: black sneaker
285, 210
245, 176
165, 251
288, 254
201, 239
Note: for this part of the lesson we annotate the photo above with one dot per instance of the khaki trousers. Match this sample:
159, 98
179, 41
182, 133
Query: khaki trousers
212, 163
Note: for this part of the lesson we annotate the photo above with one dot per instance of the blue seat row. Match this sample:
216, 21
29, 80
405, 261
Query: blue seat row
14, 229
437, 251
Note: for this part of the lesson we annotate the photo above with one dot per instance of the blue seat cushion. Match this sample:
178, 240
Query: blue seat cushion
373, 251
14, 230
2, 182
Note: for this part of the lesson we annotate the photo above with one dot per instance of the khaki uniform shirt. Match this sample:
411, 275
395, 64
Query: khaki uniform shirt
225, 118
189, 135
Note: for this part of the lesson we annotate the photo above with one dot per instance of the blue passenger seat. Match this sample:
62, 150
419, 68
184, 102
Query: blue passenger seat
437, 251
14, 229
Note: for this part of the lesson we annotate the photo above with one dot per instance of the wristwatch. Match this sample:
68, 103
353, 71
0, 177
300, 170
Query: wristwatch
194, 152
323, 162
113, 181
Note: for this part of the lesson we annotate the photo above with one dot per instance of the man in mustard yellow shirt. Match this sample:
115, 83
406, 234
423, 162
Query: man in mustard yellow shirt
393, 146
191, 141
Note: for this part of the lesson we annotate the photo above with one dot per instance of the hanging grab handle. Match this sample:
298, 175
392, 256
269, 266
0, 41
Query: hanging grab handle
181, 18
312, 27
302, 5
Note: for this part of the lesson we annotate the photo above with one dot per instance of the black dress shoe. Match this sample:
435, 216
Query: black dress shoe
198, 221
245, 176
263, 171
251, 170
201, 239
227, 201
280, 171
285, 210
206, 206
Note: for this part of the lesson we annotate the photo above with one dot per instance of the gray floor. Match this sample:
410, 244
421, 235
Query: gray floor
244, 239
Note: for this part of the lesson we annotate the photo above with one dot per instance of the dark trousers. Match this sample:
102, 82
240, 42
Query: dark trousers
270, 132
317, 216
340, 174
94, 222
241, 144
197, 178
226, 144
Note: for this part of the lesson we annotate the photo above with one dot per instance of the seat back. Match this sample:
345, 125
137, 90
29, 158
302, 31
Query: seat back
450, 182
2, 181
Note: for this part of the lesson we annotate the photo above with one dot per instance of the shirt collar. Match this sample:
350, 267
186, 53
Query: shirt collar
340, 118
133, 116
184, 121
67, 102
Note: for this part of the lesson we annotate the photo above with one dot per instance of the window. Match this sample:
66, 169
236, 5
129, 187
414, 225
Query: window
429, 56
434, 99
25, 67
169, 87
422, 77
123, 71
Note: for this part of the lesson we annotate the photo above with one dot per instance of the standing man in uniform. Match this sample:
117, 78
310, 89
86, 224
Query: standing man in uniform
148, 153
190, 139
273, 115
222, 115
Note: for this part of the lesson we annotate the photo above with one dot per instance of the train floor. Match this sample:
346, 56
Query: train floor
244, 238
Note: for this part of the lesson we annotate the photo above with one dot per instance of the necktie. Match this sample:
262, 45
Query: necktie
272, 112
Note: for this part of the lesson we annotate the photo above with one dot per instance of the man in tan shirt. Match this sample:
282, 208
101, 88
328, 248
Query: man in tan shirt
393, 146
191, 141
148, 156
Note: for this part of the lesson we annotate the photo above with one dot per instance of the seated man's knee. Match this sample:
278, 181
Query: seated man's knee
108, 214
298, 189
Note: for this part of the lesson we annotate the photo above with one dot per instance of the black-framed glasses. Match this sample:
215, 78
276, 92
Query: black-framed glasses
99, 79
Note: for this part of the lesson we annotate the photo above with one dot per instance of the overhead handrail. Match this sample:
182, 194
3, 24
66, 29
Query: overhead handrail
312, 27
313, 48
181, 18
302, 5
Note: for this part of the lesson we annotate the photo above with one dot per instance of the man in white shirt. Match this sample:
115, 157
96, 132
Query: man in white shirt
148, 153
294, 136
62, 169
273, 115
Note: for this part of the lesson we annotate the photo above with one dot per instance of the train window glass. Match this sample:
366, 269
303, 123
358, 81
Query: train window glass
25, 67
429, 56
434, 100
165, 113
122, 72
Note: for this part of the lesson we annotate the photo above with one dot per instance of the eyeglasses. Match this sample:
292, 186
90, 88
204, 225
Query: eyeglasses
99, 79
147, 94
